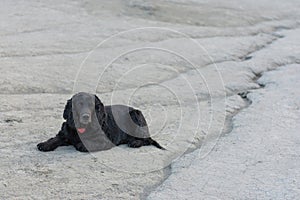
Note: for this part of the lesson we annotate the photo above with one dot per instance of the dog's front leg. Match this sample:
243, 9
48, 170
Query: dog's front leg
51, 144
80, 147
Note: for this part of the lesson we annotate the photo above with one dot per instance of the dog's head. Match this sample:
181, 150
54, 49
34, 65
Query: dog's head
81, 111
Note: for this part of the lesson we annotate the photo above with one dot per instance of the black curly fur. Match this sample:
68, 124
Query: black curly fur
102, 123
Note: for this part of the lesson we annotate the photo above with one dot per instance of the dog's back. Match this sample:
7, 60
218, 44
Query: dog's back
126, 120
128, 126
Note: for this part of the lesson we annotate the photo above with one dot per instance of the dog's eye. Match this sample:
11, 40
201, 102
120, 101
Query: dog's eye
80, 103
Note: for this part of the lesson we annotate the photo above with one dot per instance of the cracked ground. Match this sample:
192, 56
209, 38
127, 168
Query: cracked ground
193, 67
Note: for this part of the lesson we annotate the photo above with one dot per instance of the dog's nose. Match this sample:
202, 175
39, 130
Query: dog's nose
85, 116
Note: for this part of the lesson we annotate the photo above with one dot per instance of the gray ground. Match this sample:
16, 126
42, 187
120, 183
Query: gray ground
257, 160
189, 71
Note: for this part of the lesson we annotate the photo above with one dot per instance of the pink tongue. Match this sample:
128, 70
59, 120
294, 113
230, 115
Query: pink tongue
81, 130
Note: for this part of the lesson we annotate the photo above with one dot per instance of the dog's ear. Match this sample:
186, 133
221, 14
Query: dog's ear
101, 114
68, 109
98, 105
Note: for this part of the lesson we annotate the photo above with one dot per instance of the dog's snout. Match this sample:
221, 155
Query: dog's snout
85, 116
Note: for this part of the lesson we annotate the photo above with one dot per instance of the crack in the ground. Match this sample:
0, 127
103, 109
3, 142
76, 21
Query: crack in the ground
228, 125
243, 95
54, 53
247, 56
146, 192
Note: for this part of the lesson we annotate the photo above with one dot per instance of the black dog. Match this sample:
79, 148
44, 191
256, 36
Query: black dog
90, 126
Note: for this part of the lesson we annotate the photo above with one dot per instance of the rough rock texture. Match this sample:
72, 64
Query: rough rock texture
259, 159
183, 63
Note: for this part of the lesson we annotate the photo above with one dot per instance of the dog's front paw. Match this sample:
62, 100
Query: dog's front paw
44, 146
80, 147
